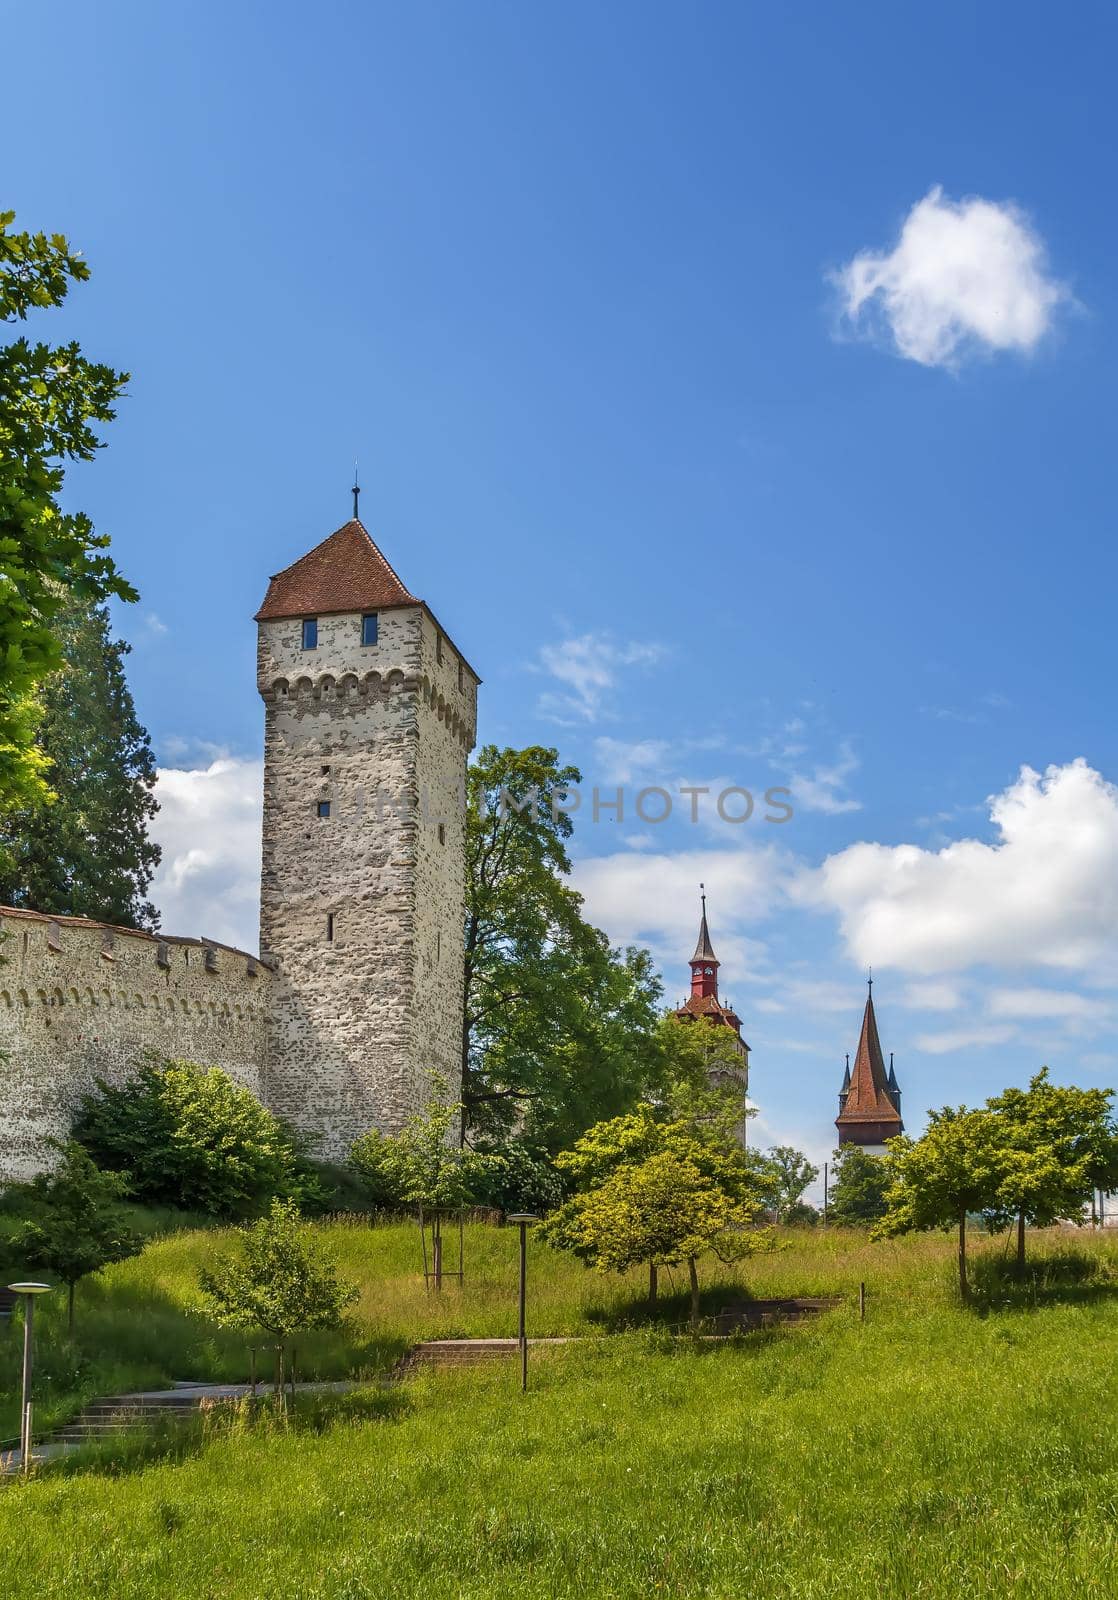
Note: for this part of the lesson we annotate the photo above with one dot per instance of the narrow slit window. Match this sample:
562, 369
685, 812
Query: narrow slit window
439, 648
310, 633
330, 927
442, 832
369, 628
323, 808
461, 683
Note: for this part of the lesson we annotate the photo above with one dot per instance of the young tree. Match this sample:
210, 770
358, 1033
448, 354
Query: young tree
1061, 1145
280, 1283
78, 1227
858, 1184
956, 1167
424, 1165
87, 854
51, 398
189, 1136
680, 1202
558, 1028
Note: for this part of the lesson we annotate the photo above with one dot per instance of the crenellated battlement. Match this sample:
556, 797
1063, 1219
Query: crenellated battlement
82, 1000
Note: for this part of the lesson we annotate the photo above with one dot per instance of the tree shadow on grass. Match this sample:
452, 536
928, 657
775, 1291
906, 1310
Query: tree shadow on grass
671, 1311
1065, 1276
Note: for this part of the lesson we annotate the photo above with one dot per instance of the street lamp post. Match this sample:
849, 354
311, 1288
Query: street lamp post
523, 1218
28, 1291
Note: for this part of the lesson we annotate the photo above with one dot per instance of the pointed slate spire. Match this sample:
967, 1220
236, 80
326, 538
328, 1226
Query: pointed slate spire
869, 1113
704, 950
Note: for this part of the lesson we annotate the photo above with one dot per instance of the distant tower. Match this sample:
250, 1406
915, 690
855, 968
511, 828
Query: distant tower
703, 1002
370, 712
869, 1102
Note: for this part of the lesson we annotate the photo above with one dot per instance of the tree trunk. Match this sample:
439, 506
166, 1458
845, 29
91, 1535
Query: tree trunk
694, 1272
278, 1382
1021, 1244
70, 1312
964, 1287
437, 1251
653, 1283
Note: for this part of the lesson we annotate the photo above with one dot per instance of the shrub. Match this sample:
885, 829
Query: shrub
189, 1136
512, 1177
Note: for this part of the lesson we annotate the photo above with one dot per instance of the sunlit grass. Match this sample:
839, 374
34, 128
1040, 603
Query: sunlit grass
931, 1452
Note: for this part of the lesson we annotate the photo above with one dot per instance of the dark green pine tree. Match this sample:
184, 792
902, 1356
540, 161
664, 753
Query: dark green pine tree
88, 854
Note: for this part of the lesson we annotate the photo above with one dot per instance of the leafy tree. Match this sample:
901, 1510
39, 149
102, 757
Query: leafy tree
956, 1167
51, 399
512, 1177
791, 1173
87, 854
281, 1282
424, 1165
698, 1076
189, 1136
680, 1201
78, 1226
558, 1029
858, 1184
1061, 1144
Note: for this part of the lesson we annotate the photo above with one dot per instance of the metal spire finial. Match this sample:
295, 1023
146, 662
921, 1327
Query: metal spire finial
870, 981
356, 490
703, 897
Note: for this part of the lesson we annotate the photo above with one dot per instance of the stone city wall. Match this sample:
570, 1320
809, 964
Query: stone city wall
81, 1001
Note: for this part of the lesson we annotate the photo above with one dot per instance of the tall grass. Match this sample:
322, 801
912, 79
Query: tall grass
931, 1452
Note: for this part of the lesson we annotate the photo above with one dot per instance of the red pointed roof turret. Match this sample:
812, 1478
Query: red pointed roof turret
346, 572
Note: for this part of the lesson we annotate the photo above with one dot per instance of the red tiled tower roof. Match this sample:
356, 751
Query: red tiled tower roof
703, 1000
869, 1114
346, 572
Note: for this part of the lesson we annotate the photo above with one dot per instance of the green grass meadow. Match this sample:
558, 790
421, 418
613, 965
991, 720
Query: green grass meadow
932, 1451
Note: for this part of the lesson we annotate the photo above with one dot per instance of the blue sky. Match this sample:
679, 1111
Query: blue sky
735, 382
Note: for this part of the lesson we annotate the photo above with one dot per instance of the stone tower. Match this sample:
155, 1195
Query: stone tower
370, 713
870, 1099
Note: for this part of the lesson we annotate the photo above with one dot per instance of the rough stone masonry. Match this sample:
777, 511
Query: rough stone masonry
356, 997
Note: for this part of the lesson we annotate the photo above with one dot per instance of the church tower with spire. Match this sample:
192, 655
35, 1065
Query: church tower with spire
870, 1098
703, 1004
370, 712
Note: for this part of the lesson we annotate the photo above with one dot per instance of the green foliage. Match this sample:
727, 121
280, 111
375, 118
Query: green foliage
88, 853
279, 1283
189, 1136
424, 1164
858, 1184
956, 1167
698, 1076
1059, 1145
783, 1174
51, 398
559, 1029
511, 1177
657, 1192
76, 1224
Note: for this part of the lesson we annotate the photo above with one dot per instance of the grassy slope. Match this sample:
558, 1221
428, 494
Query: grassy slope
931, 1452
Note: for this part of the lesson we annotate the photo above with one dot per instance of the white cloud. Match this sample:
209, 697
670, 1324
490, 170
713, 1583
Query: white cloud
964, 276
931, 997
642, 898
588, 668
620, 760
1063, 1004
824, 788
155, 624
208, 883
941, 1044
1044, 894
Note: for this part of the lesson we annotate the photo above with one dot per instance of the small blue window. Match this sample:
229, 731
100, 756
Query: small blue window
369, 628
310, 633
324, 808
